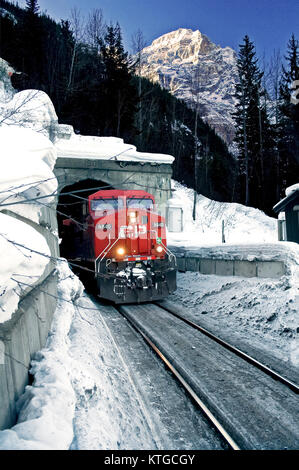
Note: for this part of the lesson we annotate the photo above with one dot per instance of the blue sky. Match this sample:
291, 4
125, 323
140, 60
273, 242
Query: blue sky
269, 23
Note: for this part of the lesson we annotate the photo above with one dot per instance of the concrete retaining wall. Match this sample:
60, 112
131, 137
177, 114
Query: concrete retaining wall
225, 267
20, 338
26, 332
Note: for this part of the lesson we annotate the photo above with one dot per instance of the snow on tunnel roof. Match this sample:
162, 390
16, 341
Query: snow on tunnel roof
105, 148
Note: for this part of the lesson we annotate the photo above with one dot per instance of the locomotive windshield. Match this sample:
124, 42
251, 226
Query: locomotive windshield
140, 203
101, 205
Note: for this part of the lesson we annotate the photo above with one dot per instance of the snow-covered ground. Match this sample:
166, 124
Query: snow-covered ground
259, 314
242, 225
263, 313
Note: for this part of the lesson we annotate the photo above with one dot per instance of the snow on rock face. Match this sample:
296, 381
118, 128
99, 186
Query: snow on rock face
32, 109
182, 44
27, 170
28, 159
20, 268
28, 108
6, 89
241, 224
174, 58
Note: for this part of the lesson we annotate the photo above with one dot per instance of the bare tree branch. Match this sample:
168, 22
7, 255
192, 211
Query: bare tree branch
94, 28
77, 26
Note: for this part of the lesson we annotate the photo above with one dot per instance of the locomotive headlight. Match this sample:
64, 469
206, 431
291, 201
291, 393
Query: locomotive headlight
133, 217
120, 251
159, 249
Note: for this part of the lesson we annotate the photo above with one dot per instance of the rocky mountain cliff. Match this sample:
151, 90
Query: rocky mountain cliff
196, 70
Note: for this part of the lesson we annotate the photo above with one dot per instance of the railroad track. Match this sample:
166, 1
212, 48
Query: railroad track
224, 434
174, 311
225, 428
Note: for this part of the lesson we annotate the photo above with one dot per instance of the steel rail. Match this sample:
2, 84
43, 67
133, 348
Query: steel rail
238, 352
225, 435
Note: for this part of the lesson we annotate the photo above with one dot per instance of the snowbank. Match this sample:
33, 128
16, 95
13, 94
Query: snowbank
28, 159
20, 267
32, 109
241, 224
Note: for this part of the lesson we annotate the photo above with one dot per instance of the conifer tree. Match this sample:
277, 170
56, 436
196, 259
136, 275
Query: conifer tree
288, 118
251, 122
30, 46
120, 95
32, 6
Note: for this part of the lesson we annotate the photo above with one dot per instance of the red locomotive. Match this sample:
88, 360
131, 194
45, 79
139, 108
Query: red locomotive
124, 239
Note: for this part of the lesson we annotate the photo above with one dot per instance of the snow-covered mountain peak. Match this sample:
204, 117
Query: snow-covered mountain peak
175, 58
180, 45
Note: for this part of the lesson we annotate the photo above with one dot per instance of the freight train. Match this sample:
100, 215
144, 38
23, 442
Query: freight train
122, 238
